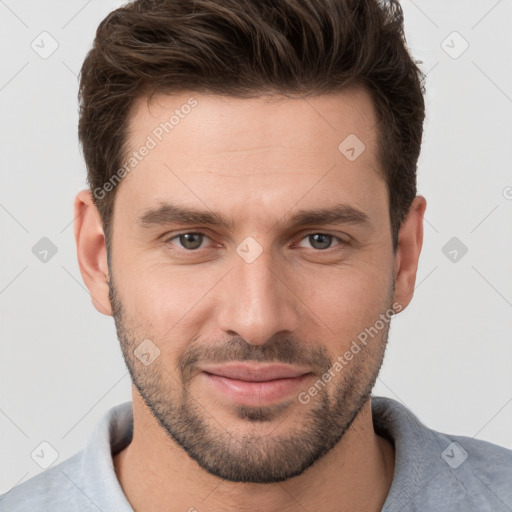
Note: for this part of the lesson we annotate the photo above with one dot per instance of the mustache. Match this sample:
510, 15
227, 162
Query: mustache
282, 350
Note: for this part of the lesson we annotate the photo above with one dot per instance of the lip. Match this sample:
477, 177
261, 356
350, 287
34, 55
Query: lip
254, 384
254, 372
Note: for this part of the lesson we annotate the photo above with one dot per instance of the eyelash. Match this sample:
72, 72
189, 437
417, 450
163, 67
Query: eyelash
340, 241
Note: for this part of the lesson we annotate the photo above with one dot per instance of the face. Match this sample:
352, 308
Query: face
250, 255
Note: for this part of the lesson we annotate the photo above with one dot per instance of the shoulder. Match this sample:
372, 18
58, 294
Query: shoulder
87, 480
439, 471
486, 465
475, 473
57, 488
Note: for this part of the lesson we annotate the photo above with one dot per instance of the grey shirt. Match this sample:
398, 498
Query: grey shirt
433, 471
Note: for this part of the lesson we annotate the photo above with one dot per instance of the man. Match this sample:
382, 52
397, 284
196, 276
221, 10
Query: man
252, 225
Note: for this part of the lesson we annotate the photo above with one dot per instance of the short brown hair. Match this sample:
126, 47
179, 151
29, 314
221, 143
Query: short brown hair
247, 48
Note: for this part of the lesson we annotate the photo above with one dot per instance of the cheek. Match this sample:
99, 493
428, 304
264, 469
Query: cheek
162, 299
348, 301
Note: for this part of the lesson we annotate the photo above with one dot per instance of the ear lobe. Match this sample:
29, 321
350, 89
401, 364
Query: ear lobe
410, 242
92, 250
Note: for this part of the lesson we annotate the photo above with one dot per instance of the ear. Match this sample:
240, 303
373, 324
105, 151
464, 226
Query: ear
92, 251
410, 241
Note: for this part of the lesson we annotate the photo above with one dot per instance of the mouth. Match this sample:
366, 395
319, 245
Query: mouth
254, 384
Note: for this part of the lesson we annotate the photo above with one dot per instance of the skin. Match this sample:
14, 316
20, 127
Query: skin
256, 161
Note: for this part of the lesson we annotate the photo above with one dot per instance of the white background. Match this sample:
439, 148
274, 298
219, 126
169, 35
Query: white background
450, 353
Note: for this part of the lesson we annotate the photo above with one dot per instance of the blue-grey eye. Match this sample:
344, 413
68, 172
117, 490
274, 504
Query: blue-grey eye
320, 240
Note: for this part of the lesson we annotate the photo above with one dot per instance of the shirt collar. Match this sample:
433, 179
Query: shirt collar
417, 451
417, 454
99, 480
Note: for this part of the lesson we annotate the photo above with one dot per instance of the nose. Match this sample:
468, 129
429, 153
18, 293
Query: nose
258, 301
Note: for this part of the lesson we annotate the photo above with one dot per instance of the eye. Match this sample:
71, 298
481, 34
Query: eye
322, 241
189, 241
193, 241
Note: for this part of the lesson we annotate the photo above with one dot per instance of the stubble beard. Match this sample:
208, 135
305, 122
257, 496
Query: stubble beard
248, 455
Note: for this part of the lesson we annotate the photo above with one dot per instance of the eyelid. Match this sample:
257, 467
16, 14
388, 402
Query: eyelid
168, 239
341, 240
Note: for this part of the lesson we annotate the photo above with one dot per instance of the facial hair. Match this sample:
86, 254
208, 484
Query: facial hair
250, 456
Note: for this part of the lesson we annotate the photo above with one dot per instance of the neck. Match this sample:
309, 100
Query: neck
157, 474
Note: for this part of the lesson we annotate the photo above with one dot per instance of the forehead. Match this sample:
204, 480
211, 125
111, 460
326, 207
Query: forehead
254, 155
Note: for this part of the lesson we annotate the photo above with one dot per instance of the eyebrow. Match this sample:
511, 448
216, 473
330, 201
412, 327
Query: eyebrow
167, 213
